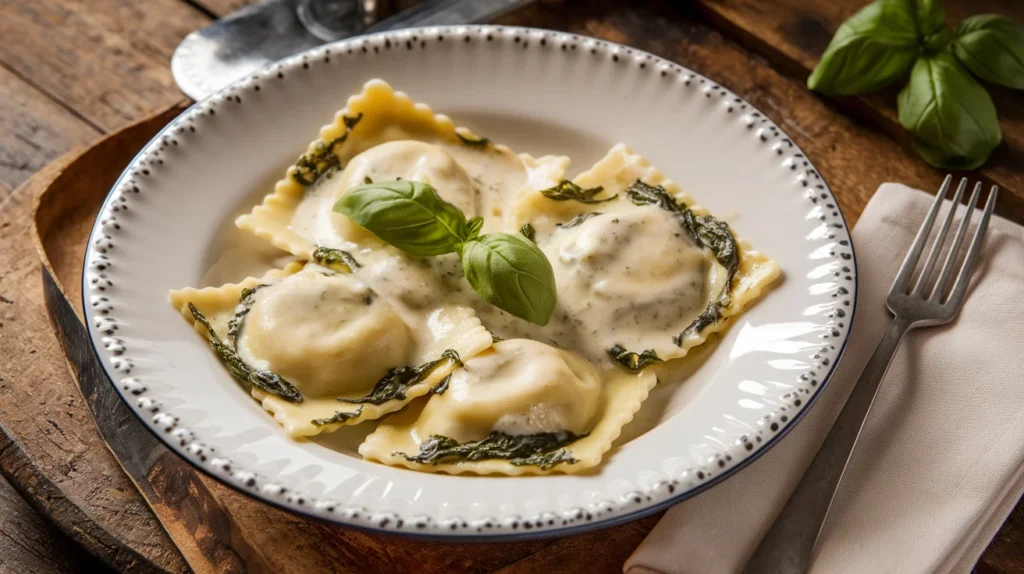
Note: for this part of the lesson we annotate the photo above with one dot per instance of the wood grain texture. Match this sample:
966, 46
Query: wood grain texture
792, 34
49, 448
30, 543
83, 55
36, 130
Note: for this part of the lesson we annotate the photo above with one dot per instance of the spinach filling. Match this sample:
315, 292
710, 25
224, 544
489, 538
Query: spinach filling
567, 190
528, 232
394, 384
338, 417
322, 160
634, 361
473, 142
578, 220
261, 379
704, 231
336, 259
543, 450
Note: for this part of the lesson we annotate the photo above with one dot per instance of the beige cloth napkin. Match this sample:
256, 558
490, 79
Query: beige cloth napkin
940, 464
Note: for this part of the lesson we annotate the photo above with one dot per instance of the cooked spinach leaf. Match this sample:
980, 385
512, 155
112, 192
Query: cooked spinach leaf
394, 384
261, 379
705, 231
528, 232
634, 361
473, 141
338, 417
336, 259
441, 387
313, 165
238, 319
567, 190
578, 220
543, 450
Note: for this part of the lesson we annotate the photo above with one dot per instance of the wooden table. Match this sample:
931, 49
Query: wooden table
73, 70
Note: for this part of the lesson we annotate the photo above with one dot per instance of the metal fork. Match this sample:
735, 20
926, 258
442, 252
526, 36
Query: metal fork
786, 547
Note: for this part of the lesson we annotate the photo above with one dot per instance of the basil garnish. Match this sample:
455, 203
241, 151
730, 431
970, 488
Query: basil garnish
513, 274
394, 384
567, 190
407, 214
543, 450
506, 270
261, 379
992, 47
950, 114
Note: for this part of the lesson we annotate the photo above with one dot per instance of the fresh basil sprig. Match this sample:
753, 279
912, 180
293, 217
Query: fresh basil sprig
875, 46
993, 48
950, 115
506, 270
941, 95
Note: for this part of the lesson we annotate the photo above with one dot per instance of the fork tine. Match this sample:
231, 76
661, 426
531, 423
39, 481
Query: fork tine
940, 239
910, 262
947, 265
956, 297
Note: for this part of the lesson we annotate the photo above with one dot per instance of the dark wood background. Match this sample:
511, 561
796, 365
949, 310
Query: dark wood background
74, 70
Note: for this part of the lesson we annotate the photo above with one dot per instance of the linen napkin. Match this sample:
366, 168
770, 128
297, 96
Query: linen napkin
940, 463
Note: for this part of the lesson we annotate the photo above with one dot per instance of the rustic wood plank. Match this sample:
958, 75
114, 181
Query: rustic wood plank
30, 543
74, 52
792, 34
49, 447
36, 131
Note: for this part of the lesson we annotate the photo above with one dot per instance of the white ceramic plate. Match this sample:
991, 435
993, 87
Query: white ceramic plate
168, 219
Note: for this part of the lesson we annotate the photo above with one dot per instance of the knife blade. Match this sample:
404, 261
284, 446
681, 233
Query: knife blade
259, 35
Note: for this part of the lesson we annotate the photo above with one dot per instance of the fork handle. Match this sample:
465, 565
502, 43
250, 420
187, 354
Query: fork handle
786, 547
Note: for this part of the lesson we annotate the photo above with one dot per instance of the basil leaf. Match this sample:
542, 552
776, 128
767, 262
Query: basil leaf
513, 274
950, 114
992, 47
407, 214
875, 46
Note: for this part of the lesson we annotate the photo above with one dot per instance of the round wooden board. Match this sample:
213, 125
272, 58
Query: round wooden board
181, 519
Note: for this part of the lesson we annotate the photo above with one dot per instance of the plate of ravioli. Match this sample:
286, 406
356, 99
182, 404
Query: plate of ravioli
471, 282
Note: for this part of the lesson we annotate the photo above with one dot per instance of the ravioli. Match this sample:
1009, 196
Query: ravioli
521, 407
382, 135
320, 349
635, 280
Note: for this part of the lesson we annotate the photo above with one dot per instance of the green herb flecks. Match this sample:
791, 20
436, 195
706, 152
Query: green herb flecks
528, 232
261, 379
577, 221
322, 160
336, 259
441, 387
543, 450
705, 231
473, 141
394, 384
567, 190
634, 361
238, 319
338, 417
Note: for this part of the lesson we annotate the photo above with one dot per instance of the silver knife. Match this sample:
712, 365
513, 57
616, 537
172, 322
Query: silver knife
254, 37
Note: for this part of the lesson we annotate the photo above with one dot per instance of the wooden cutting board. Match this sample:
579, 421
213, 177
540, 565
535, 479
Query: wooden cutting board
175, 519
